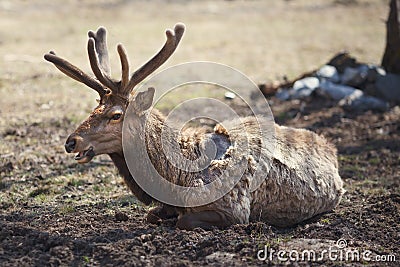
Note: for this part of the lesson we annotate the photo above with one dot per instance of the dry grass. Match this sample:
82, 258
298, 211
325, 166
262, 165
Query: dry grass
264, 39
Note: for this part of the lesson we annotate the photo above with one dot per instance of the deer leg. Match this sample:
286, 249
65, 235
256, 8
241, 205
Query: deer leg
163, 212
204, 219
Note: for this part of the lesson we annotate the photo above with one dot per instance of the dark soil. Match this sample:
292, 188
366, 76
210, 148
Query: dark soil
87, 218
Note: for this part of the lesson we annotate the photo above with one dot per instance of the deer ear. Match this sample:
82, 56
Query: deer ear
144, 100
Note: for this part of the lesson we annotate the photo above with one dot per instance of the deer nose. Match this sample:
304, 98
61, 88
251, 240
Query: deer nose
70, 144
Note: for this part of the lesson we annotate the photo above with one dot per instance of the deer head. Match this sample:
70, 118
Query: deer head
101, 132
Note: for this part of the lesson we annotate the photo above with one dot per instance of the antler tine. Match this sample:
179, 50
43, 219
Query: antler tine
74, 72
173, 39
98, 72
100, 38
124, 66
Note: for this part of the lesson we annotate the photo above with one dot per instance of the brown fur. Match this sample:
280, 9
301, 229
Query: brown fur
303, 180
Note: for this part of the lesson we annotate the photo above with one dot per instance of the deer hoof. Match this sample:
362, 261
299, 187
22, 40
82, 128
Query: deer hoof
157, 214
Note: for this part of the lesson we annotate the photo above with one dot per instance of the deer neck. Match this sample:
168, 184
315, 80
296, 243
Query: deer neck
156, 127
157, 134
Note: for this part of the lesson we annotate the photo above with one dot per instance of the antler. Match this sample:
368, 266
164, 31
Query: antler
74, 72
99, 62
173, 39
124, 65
101, 47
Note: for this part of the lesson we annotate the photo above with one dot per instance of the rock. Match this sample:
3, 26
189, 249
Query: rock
220, 256
308, 82
360, 102
348, 75
329, 72
374, 72
283, 94
355, 77
363, 70
388, 86
303, 88
230, 95
370, 89
335, 91
301, 93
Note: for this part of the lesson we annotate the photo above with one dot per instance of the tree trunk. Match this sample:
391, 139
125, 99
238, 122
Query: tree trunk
391, 57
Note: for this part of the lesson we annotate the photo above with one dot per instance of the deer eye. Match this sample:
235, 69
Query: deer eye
116, 116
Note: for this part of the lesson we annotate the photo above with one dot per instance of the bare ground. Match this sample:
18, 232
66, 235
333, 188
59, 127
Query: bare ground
55, 212
52, 226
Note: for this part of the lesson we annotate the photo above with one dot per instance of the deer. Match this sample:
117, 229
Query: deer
302, 179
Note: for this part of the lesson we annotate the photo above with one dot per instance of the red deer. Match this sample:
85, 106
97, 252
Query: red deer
302, 181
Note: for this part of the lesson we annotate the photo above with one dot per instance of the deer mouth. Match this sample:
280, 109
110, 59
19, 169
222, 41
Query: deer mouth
85, 156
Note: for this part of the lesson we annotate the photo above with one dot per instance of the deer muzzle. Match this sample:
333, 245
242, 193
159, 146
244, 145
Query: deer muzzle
74, 144
85, 156
70, 145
